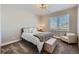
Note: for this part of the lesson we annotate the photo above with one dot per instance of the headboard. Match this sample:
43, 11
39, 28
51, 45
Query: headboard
28, 29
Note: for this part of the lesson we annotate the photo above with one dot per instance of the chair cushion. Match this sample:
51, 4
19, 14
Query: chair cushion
70, 34
65, 37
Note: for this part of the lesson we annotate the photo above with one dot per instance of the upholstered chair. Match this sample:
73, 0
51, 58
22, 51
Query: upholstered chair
70, 38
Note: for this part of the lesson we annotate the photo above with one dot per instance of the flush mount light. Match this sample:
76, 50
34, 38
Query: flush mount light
42, 6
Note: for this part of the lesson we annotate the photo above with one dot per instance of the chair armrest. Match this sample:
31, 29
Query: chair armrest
72, 38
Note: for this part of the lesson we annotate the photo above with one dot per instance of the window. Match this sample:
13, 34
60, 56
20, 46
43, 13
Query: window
59, 22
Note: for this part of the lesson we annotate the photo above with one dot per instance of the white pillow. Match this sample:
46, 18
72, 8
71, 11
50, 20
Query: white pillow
32, 30
26, 30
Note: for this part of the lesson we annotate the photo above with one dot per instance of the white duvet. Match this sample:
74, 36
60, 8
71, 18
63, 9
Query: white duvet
29, 37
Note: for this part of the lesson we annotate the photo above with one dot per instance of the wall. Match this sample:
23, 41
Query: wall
14, 17
73, 18
0, 28
44, 22
78, 25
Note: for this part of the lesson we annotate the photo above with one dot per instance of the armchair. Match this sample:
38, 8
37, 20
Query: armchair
70, 38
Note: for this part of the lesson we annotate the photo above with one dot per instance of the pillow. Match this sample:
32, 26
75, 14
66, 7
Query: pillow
30, 30
33, 30
25, 30
44, 36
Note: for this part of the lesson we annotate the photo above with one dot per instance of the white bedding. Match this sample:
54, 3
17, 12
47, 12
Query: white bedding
29, 37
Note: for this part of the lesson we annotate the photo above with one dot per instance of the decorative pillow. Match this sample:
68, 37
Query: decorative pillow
25, 30
44, 36
30, 30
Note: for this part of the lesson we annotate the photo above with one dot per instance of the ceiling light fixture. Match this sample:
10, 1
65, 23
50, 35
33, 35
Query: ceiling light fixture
42, 6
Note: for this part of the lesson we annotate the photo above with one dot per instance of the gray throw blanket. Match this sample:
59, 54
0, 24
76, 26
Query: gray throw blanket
44, 36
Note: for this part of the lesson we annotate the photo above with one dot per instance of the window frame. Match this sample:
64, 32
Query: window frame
50, 19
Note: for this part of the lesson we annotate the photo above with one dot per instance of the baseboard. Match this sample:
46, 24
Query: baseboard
10, 42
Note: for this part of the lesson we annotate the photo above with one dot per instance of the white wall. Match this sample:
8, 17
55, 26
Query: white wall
78, 25
0, 28
73, 18
14, 17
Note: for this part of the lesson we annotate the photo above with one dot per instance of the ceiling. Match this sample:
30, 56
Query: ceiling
51, 8
37, 11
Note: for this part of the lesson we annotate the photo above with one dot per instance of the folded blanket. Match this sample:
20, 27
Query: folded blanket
44, 36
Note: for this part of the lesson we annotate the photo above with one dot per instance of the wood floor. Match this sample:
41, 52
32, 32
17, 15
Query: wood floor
24, 47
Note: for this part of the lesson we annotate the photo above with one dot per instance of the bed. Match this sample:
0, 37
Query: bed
31, 34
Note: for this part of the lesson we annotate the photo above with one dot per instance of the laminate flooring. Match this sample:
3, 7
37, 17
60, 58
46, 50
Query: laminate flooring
24, 47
